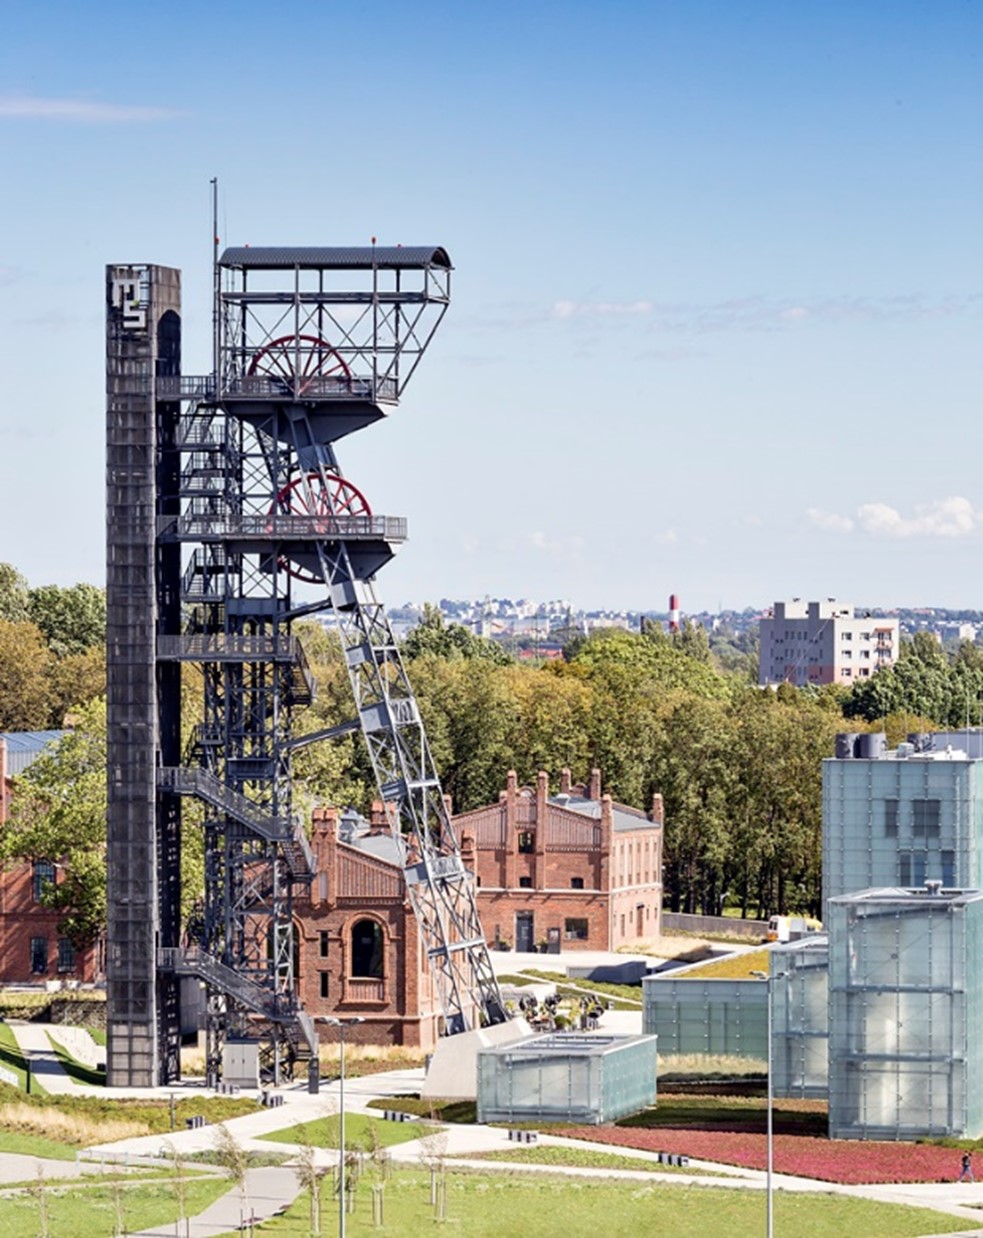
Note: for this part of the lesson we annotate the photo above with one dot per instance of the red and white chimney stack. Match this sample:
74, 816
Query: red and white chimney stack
673, 612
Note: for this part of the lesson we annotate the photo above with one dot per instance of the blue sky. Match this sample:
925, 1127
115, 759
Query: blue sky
717, 299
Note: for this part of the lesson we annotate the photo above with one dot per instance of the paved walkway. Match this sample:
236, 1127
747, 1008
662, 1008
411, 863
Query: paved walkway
269, 1192
32, 1040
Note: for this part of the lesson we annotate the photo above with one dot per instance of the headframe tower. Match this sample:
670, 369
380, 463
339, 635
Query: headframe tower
247, 523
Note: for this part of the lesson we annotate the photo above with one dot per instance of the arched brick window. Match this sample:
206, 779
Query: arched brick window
367, 952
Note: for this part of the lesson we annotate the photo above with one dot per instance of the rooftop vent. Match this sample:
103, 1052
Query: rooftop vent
933, 887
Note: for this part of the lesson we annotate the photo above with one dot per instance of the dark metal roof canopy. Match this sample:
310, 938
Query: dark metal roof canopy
336, 258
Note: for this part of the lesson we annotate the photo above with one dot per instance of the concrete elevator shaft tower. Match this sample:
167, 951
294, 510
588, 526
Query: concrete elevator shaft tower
246, 523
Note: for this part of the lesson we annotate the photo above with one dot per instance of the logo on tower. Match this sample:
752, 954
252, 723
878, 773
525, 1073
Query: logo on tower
128, 293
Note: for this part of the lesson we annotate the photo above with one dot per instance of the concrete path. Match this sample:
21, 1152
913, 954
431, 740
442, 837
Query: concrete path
32, 1040
268, 1192
18, 1167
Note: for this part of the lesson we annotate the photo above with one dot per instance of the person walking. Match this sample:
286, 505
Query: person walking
966, 1173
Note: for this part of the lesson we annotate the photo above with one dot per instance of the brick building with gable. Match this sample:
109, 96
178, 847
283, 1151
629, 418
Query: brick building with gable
358, 946
574, 869
32, 950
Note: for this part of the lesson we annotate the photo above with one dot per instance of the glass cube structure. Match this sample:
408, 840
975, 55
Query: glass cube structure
567, 1077
800, 1018
902, 818
905, 1008
706, 1016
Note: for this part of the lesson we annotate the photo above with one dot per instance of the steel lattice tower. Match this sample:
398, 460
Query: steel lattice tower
310, 345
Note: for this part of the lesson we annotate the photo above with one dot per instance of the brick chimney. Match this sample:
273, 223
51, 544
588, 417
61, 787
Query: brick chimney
566, 785
378, 818
595, 785
658, 812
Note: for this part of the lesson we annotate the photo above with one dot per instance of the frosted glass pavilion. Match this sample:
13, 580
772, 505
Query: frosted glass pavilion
905, 1008
567, 1076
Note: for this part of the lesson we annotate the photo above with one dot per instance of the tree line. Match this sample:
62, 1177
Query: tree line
739, 767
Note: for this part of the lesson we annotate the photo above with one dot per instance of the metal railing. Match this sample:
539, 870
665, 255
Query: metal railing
220, 647
283, 527
287, 833
190, 961
261, 387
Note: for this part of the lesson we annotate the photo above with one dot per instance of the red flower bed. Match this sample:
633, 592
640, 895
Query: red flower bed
854, 1162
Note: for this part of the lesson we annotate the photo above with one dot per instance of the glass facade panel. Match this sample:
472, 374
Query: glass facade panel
706, 1016
800, 1025
902, 998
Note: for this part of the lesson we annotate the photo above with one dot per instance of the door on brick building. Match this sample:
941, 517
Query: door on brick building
640, 920
524, 938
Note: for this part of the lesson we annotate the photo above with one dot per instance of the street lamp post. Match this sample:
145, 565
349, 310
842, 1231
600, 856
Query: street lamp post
340, 1024
769, 1223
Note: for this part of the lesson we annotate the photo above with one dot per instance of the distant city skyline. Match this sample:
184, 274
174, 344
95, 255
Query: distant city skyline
717, 303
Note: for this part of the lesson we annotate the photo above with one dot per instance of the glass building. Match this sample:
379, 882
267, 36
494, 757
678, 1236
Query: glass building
706, 1016
800, 1018
902, 817
567, 1077
905, 1009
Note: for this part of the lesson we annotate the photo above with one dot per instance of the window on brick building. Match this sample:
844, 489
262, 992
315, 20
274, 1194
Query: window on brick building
66, 955
576, 883
323, 944
367, 950
44, 876
527, 841
525, 883
575, 930
324, 984
39, 956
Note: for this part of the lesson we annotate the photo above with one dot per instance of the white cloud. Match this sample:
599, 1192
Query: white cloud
759, 313
829, 521
950, 518
29, 107
668, 538
600, 309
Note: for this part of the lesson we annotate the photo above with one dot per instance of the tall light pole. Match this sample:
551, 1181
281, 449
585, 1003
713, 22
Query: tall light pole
769, 1224
340, 1024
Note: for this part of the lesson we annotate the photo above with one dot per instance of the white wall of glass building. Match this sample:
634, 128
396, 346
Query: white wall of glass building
905, 1009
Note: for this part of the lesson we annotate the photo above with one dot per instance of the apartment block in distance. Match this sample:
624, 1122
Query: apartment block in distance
824, 642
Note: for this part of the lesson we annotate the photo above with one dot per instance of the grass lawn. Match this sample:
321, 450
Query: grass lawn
734, 967
12, 1058
80, 1211
465, 1111
36, 1145
360, 1131
90, 1113
77, 1070
550, 1154
626, 996
518, 1206
746, 1114
98, 1034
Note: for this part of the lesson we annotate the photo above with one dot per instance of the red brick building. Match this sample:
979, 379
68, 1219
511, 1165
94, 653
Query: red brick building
574, 868
32, 951
359, 949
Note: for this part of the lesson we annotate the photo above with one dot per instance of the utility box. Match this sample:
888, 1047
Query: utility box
240, 1063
